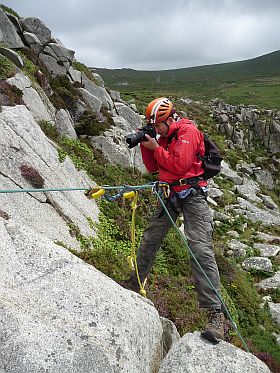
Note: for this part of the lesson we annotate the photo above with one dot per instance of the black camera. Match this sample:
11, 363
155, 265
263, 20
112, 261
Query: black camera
134, 139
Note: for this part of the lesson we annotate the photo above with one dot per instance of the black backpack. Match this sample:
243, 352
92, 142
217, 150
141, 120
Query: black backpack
211, 161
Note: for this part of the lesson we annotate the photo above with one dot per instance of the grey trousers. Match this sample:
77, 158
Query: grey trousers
198, 231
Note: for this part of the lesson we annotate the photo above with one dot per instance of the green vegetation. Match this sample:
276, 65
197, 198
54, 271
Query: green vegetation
83, 68
65, 95
49, 130
7, 68
91, 124
9, 10
29, 68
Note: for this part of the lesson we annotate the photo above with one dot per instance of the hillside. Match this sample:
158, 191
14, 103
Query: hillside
253, 81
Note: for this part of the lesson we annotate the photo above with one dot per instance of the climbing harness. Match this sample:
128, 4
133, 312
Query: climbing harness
161, 190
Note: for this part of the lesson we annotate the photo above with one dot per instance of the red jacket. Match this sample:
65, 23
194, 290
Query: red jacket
178, 159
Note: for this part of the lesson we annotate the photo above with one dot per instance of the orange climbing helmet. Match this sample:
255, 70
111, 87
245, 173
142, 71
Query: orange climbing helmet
159, 110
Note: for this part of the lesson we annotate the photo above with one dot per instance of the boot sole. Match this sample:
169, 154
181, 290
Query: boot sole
210, 337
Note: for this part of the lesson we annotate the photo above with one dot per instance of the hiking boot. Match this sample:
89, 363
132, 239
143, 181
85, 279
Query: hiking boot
214, 330
130, 285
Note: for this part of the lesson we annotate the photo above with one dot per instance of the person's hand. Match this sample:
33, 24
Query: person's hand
151, 143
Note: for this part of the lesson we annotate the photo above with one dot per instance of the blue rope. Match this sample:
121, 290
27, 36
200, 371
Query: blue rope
106, 187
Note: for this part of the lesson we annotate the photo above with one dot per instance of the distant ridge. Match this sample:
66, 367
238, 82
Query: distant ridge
264, 66
253, 81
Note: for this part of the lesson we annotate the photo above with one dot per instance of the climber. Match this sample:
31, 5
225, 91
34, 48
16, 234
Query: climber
174, 156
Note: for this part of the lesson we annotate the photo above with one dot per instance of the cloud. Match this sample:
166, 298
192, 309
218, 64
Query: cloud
158, 34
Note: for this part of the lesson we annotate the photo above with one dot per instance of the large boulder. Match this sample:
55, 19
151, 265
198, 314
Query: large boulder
60, 53
59, 314
25, 150
65, 124
192, 354
268, 133
126, 112
33, 41
56, 58
39, 105
274, 309
8, 33
271, 282
75, 75
114, 147
53, 66
93, 102
97, 91
257, 263
256, 214
228, 173
12, 56
248, 190
37, 27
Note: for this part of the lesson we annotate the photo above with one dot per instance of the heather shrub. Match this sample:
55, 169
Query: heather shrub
31, 175
10, 95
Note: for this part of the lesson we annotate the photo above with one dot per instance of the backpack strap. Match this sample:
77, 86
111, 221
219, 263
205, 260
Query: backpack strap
172, 136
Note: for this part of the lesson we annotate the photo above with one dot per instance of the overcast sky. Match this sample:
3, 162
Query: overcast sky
159, 34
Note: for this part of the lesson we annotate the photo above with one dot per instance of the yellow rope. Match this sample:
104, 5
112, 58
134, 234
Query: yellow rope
132, 258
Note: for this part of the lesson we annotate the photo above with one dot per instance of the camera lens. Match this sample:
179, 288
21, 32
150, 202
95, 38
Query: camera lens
134, 139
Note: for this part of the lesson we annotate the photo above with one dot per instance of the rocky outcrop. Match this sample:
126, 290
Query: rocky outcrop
65, 124
98, 92
230, 174
244, 125
270, 283
114, 147
129, 115
258, 263
23, 145
12, 56
59, 314
192, 354
93, 102
257, 214
58, 60
267, 250
8, 33
274, 309
237, 248
32, 99
37, 27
